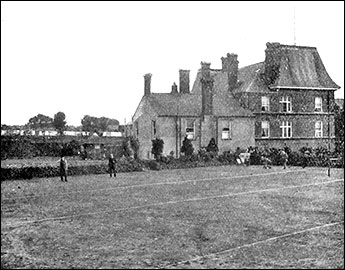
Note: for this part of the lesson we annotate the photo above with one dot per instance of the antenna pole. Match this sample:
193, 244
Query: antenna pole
294, 26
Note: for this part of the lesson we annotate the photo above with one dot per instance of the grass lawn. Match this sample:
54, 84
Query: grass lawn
210, 217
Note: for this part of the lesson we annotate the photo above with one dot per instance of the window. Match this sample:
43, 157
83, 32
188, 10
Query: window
226, 130
190, 127
153, 129
265, 129
137, 127
286, 129
265, 104
285, 102
318, 104
318, 129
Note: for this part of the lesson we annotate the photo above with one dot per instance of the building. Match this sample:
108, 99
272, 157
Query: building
287, 99
291, 95
205, 113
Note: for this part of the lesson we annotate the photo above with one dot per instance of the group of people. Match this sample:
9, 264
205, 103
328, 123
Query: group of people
64, 167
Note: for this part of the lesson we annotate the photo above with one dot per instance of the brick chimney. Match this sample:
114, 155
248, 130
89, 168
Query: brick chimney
147, 87
174, 89
230, 66
207, 89
184, 81
273, 55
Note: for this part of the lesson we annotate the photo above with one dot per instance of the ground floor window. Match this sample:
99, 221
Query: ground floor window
190, 129
265, 129
286, 129
318, 129
226, 129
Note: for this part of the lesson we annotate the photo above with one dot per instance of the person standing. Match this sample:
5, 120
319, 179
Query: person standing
63, 168
284, 157
306, 157
111, 164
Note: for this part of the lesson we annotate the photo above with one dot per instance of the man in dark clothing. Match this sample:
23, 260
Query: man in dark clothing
306, 157
111, 164
63, 168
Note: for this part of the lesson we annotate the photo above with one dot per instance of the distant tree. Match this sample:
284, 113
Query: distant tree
187, 147
339, 128
99, 124
157, 148
40, 121
59, 122
135, 145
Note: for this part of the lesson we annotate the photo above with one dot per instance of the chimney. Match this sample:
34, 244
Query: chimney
147, 87
230, 65
207, 89
184, 81
174, 88
273, 55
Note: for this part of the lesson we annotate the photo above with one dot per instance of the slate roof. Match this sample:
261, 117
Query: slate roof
302, 67
167, 104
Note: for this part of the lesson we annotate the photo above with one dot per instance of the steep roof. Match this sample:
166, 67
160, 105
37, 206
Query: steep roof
300, 67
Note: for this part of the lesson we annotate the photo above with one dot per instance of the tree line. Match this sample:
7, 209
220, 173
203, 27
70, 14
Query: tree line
88, 123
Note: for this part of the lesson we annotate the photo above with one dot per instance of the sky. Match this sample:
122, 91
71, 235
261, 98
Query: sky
89, 58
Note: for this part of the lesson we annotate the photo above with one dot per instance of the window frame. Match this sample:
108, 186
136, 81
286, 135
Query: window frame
318, 105
268, 129
265, 103
192, 133
153, 129
285, 100
318, 130
285, 127
228, 126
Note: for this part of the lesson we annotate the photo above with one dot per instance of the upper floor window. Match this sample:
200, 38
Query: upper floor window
286, 128
318, 104
265, 104
265, 129
318, 129
190, 129
226, 130
285, 102
153, 129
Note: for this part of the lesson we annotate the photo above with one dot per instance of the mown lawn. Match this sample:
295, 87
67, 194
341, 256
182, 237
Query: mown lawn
166, 219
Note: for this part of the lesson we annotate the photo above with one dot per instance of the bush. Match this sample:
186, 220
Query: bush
157, 148
187, 147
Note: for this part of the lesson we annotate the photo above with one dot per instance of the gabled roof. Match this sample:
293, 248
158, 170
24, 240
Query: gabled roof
167, 104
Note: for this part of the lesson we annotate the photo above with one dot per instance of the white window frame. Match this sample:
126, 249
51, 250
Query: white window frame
318, 129
263, 128
285, 101
190, 131
226, 130
265, 104
318, 104
286, 128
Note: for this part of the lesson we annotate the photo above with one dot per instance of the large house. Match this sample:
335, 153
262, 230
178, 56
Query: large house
286, 100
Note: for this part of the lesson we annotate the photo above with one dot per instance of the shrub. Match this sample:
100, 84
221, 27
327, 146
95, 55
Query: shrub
187, 147
157, 148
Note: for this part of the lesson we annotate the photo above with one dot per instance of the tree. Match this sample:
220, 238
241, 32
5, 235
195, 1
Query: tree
187, 147
99, 124
339, 128
212, 146
59, 122
157, 148
40, 121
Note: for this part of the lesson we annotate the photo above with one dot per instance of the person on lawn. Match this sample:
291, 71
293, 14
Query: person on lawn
63, 168
111, 164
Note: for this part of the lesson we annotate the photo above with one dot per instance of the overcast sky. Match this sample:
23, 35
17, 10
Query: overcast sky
90, 57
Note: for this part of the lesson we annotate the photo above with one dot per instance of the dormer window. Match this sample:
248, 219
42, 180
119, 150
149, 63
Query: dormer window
318, 104
265, 104
285, 102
